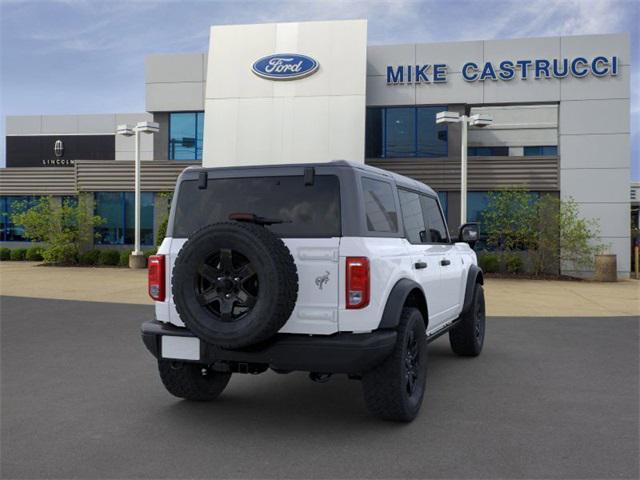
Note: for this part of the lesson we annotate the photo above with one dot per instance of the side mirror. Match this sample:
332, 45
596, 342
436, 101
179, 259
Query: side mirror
469, 233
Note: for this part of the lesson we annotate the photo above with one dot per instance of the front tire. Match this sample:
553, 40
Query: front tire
394, 390
192, 381
467, 337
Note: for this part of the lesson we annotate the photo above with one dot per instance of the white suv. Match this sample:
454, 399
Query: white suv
326, 268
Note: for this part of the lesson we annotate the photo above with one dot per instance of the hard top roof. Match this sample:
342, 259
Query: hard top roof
400, 180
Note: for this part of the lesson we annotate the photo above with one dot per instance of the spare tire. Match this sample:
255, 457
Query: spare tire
234, 284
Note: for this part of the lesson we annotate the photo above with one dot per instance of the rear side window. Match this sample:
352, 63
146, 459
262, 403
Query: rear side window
412, 217
306, 210
379, 206
434, 221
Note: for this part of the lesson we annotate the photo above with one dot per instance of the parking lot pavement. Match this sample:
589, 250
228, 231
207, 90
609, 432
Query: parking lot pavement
547, 398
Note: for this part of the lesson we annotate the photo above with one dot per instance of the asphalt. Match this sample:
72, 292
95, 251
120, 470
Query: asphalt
548, 398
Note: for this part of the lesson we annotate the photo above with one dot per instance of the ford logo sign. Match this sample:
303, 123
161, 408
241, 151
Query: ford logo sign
285, 66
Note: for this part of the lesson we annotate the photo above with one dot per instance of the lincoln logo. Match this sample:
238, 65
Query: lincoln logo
285, 66
58, 148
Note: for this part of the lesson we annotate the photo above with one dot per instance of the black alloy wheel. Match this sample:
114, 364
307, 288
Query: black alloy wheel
227, 285
412, 363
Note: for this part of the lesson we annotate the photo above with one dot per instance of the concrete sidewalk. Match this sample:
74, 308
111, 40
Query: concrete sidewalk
505, 297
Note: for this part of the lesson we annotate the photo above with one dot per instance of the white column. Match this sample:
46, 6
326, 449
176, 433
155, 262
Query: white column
463, 172
136, 247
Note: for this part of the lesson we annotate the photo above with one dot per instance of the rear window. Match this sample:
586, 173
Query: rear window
307, 210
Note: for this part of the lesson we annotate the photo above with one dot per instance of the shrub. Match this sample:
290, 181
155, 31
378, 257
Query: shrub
18, 254
489, 262
5, 254
124, 258
109, 257
61, 254
64, 228
34, 254
90, 257
514, 263
162, 231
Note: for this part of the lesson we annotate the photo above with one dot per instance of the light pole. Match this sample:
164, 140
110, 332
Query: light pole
136, 259
477, 120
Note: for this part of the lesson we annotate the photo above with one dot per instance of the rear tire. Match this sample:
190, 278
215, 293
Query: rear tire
394, 390
467, 337
192, 381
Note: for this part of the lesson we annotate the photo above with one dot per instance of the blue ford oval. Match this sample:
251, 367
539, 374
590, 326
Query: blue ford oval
285, 66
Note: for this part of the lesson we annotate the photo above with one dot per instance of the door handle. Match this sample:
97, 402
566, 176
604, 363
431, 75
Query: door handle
420, 265
445, 262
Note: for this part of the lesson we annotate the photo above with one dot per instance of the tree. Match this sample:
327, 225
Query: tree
509, 220
551, 229
64, 228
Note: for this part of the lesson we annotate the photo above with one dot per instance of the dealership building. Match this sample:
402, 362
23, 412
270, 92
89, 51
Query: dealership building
560, 108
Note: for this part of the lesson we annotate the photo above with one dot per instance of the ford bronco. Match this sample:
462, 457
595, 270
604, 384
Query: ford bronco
326, 268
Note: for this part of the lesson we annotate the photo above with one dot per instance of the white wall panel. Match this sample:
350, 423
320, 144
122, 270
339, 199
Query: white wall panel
520, 91
595, 151
23, 125
59, 124
594, 117
613, 220
379, 93
455, 90
174, 97
96, 123
593, 88
174, 68
516, 137
596, 185
252, 120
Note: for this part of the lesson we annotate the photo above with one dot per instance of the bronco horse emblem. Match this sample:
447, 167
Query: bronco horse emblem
322, 280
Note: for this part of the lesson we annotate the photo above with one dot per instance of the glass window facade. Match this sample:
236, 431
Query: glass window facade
444, 203
541, 151
117, 209
488, 151
10, 232
477, 203
405, 132
185, 135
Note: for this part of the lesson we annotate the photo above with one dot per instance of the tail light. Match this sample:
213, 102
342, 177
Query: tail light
155, 266
358, 283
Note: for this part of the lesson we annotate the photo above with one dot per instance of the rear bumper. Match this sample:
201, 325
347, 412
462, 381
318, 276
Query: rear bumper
339, 353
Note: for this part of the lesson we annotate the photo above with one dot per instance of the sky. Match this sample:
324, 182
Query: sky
87, 56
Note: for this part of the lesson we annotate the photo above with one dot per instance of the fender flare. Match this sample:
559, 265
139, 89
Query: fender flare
474, 276
397, 299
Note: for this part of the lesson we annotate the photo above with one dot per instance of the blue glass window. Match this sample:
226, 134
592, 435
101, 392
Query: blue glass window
444, 203
185, 135
488, 151
405, 132
477, 203
117, 209
10, 232
400, 137
541, 151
